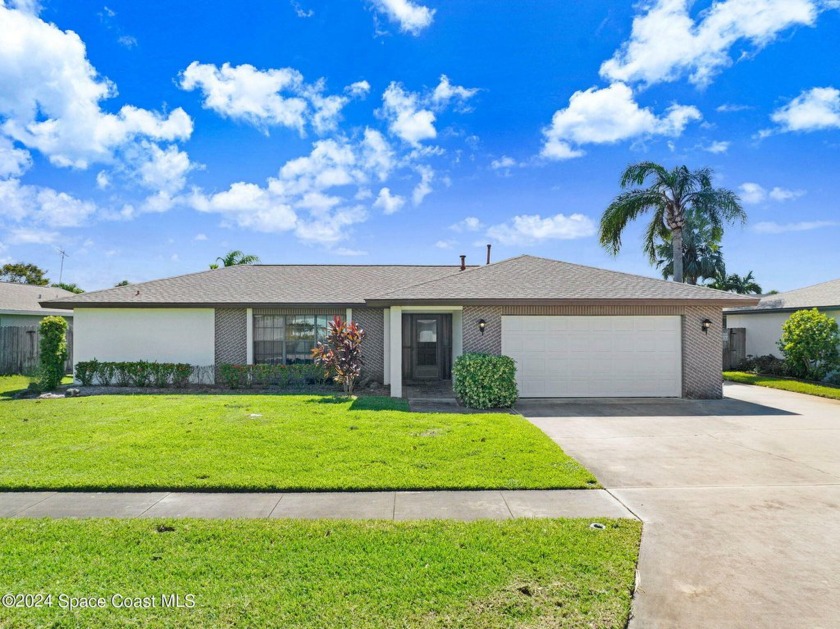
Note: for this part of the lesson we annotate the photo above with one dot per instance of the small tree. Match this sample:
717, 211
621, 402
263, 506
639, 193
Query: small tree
341, 355
22, 273
810, 342
53, 352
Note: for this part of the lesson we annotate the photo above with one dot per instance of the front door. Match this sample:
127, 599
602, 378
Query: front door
427, 346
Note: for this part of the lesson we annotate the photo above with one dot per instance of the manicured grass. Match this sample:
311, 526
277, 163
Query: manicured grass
10, 385
270, 442
324, 573
785, 384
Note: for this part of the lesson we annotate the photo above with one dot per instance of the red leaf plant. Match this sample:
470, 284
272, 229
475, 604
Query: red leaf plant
341, 354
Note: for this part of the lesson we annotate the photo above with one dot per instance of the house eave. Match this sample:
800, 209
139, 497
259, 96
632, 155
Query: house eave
209, 304
385, 303
751, 311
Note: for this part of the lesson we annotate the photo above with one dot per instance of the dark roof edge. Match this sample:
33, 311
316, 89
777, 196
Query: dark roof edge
215, 304
737, 311
380, 303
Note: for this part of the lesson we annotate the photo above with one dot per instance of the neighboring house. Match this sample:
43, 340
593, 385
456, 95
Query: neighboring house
574, 331
20, 307
763, 322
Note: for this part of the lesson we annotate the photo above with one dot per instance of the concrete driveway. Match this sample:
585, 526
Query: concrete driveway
740, 499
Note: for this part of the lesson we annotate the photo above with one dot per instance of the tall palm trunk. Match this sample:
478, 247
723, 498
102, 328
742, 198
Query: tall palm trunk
676, 242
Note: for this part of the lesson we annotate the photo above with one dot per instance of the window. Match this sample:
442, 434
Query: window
287, 339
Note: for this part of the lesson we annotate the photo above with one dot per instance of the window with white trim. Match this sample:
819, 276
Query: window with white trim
286, 339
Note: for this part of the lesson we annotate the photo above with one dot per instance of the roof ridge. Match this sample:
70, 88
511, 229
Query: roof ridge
793, 290
458, 272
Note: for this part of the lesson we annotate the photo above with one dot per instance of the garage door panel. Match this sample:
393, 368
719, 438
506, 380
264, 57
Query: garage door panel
609, 356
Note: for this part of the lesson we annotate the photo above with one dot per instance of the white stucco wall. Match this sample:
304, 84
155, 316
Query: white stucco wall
764, 330
178, 335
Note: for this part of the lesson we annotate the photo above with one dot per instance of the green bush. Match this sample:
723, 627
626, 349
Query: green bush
181, 375
53, 352
485, 381
86, 371
162, 374
234, 376
811, 344
122, 373
766, 365
105, 374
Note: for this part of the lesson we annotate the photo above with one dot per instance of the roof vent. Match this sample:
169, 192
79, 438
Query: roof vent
488, 253
463, 262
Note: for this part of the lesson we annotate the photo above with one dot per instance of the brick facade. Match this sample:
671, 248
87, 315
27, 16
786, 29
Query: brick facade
701, 373
231, 335
372, 321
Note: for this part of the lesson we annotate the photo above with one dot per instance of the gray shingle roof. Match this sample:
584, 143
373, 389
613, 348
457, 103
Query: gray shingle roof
525, 278
24, 299
824, 295
528, 278
263, 285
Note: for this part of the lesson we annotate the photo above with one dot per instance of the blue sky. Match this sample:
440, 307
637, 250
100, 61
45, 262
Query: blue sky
147, 139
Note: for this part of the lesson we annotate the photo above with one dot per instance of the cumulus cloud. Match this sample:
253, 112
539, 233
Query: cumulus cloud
411, 115
387, 202
770, 227
469, 224
606, 116
667, 43
265, 98
717, 147
312, 196
813, 110
752, 193
14, 161
41, 206
51, 97
411, 17
529, 229
424, 186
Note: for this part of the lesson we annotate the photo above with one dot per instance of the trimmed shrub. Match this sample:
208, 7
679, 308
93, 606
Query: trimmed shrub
161, 374
86, 371
140, 373
811, 344
105, 374
53, 352
122, 373
181, 375
234, 376
485, 381
767, 365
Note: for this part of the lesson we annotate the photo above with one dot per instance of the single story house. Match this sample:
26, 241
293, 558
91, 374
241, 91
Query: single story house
763, 322
20, 304
574, 331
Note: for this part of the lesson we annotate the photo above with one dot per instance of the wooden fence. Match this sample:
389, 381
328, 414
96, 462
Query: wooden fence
734, 347
20, 349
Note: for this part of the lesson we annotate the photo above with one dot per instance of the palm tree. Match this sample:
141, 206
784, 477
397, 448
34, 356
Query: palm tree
735, 283
701, 252
233, 258
671, 194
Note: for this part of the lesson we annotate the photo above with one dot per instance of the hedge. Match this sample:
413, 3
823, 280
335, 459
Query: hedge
485, 380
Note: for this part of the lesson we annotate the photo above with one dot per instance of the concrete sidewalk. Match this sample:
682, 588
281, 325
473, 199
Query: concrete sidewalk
385, 505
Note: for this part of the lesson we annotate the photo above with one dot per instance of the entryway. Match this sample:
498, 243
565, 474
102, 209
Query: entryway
426, 347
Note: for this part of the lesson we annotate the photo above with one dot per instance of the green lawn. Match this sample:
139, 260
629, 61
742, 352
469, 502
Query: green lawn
270, 442
785, 384
324, 573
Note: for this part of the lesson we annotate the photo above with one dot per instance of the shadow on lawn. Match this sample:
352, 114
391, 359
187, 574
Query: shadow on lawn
365, 403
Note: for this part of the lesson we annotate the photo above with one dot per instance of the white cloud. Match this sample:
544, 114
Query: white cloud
102, 180
753, 193
469, 224
163, 170
51, 97
27, 236
727, 108
666, 43
411, 116
300, 11
717, 147
424, 186
358, 89
13, 161
412, 18
445, 244
783, 194
200, 237
387, 202
407, 120
42, 206
313, 195
529, 229
346, 251
813, 110
446, 93
504, 163
606, 116
770, 227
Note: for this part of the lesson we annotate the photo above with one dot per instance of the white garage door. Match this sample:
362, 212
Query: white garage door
561, 356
